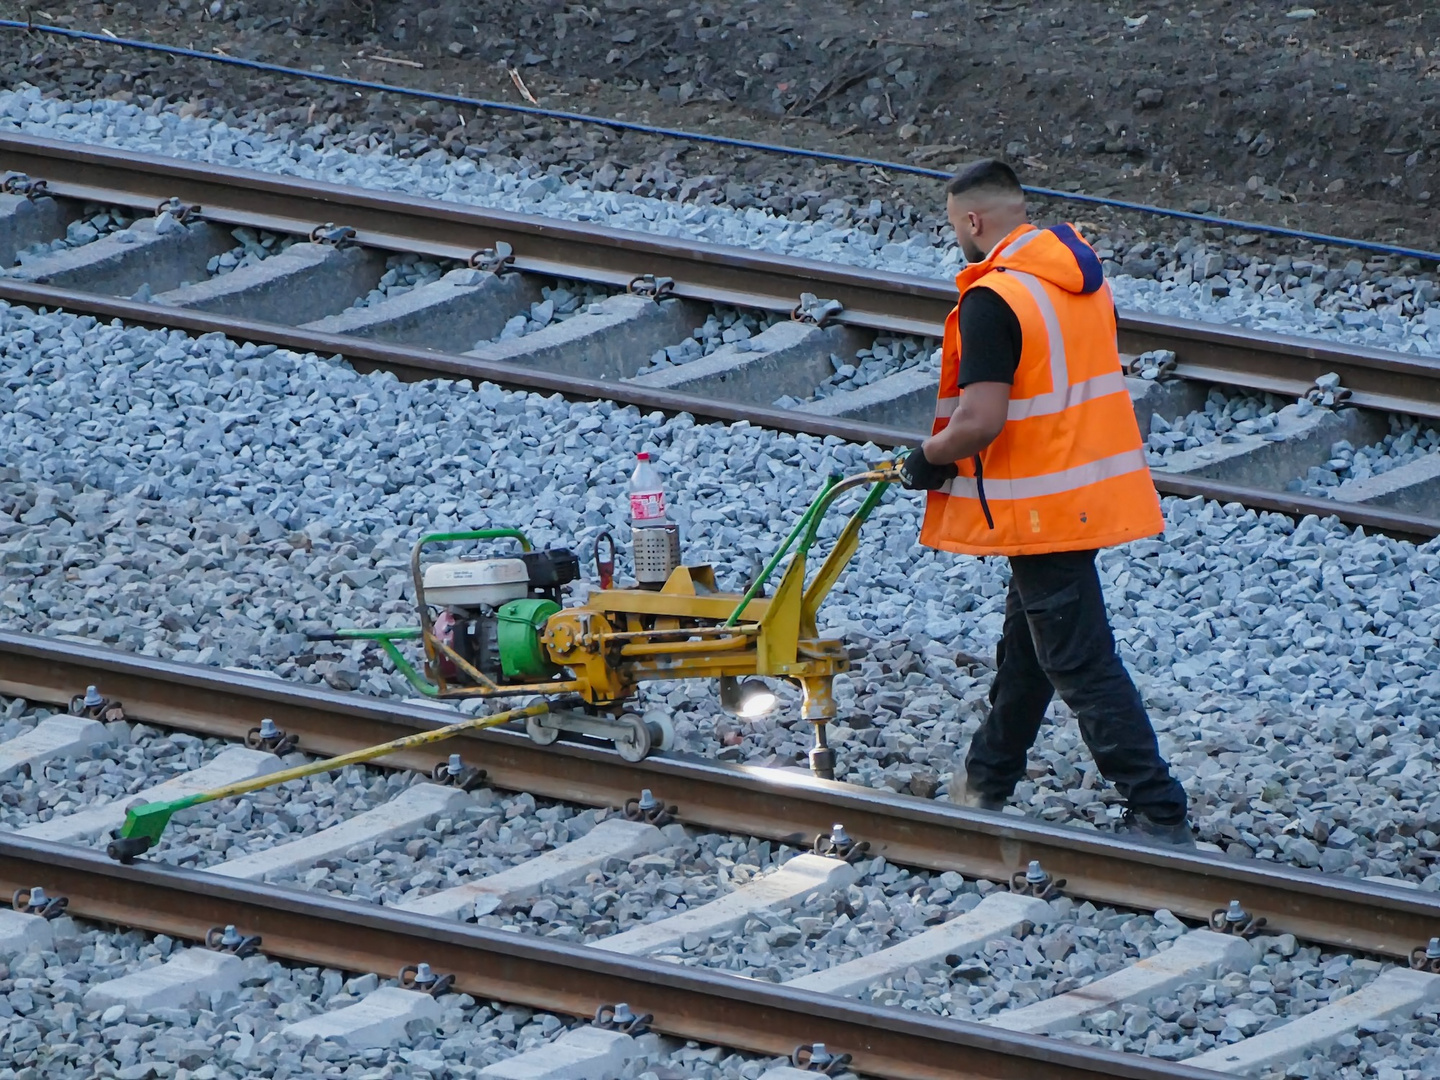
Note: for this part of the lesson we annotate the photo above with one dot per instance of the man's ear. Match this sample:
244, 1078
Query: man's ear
974, 219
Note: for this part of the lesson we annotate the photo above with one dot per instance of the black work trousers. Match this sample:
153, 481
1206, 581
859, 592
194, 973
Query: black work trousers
1057, 639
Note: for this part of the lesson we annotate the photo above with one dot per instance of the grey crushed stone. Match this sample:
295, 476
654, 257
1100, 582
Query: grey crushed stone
558, 302
888, 355
1223, 418
723, 326
254, 246
1407, 441
208, 502
46, 1031
403, 273
94, 222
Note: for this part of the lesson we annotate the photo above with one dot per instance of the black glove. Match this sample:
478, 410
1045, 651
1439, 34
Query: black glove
917, 474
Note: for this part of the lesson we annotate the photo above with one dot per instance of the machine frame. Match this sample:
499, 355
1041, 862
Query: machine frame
688, 629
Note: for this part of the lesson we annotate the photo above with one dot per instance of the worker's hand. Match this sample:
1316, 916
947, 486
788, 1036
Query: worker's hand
917, 474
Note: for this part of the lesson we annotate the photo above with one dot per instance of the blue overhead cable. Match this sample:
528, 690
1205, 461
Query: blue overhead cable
702, 137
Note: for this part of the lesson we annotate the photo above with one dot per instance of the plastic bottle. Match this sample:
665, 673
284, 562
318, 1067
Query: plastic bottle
654, 538
647, 496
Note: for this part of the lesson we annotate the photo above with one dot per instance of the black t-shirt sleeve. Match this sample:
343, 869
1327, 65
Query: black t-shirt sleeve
989, 338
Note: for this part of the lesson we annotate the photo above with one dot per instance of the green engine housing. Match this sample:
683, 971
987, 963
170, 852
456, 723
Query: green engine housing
519, 622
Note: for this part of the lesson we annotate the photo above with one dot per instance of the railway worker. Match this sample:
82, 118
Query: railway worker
1036, 455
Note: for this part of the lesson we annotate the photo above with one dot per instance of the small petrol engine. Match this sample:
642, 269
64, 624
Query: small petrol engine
492, 611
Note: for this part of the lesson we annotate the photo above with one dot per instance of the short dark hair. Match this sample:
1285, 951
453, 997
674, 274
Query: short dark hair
987, 174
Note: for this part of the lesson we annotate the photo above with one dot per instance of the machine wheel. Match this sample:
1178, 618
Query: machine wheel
633, 744
662, 729
539, 734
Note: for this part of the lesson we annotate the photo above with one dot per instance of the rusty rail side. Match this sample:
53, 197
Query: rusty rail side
783, 806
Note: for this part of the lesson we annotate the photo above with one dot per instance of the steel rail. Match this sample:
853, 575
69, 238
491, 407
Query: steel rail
779, 805
691, 1003
412, 362
1232, 356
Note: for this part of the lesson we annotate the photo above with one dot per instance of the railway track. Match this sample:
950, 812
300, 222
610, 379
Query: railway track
659, 289
645, 964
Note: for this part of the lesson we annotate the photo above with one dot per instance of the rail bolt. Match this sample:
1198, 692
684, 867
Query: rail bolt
1427, 958
1234, 919
420, 977
95, 706
1035, 881
453, 772
270, 737
840, 845
35, 901
814, 1057
229, 940
649, 809
619, 1017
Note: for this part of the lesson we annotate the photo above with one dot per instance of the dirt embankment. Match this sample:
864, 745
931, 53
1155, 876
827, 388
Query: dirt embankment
1326, 119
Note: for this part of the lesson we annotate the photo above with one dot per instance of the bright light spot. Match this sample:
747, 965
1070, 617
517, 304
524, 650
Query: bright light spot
756, 699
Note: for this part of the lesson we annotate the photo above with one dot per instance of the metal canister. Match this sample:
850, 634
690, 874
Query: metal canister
656, 550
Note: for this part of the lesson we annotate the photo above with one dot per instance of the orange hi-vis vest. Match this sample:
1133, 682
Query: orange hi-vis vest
1067, 471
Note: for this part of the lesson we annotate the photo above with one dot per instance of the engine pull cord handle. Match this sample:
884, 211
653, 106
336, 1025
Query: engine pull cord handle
605, 567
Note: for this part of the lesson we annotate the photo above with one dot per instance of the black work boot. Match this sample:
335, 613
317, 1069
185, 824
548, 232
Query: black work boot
962, 794
1142, 827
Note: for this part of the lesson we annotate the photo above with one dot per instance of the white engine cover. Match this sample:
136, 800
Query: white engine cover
476, 582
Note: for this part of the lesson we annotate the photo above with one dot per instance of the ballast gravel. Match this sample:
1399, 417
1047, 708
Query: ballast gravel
253, 246
887, 355
403, 273
558, 302
93, 223
1407, 442
723, 326
45, 1029
196, 499
1223, 418
134, 758
1291, 295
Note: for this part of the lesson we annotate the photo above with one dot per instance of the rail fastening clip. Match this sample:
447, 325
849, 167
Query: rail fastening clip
648, 809
1235, 920
453, 772
839, 844
814, 1057
619, 1017
1036, 881
227, 939
35, 901
94, 706
420, 977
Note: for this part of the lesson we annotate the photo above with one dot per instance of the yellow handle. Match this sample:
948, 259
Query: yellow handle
478, 723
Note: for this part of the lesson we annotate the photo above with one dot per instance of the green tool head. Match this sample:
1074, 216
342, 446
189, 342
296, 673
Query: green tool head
142, 829
148, 821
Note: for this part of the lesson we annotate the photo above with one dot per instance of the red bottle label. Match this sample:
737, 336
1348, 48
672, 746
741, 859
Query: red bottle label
647, 505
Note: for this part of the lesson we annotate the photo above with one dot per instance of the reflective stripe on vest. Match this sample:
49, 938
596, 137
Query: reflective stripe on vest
1036, 487
1061, 395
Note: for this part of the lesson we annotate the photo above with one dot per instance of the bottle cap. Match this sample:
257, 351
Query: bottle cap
644, 455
